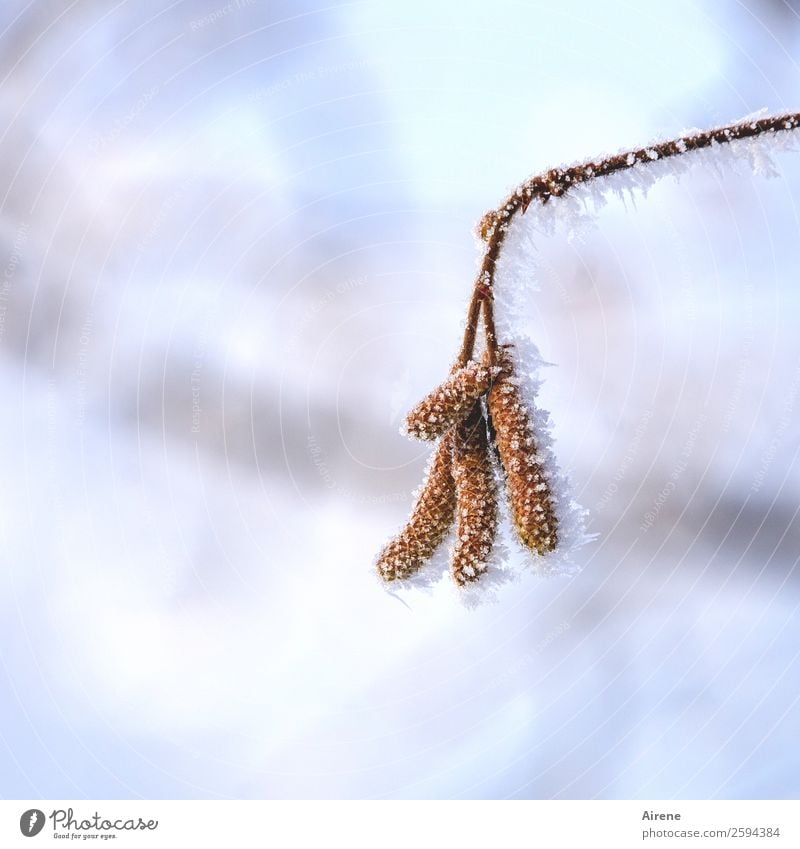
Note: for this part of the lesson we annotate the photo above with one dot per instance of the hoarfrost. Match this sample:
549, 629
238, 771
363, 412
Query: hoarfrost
571, 216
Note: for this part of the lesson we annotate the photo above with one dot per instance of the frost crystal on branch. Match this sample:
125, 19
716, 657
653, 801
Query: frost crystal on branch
476, 499
557, 182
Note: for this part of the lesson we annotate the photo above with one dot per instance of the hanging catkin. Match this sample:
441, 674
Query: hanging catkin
459, 478
527, 482
476, 499
450, 402
430, 519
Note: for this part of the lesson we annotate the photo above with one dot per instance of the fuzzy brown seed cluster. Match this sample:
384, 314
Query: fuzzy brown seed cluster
461, 482
527, 484
460, 478
450, 402
476, 499
431, 519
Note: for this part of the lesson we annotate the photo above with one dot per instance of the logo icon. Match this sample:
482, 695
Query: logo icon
31, 822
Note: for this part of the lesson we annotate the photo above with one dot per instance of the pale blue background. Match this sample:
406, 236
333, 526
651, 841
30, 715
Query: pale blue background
264, 211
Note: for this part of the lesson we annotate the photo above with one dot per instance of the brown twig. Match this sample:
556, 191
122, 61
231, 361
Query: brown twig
558, 181
481, 293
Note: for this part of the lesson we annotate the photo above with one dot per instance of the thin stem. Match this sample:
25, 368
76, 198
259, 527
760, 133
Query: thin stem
473, 314
481, 295
558, 181
488, 328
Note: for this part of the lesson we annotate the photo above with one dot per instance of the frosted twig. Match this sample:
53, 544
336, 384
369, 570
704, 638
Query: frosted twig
558, 181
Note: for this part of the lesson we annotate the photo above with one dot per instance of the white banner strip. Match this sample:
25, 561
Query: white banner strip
402, 825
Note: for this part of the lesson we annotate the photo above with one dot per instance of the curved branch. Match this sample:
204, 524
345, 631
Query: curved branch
558, 181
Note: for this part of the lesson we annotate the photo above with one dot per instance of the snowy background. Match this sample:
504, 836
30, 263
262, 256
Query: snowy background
236, 247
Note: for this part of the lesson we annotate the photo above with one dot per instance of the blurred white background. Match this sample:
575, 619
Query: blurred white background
236, 247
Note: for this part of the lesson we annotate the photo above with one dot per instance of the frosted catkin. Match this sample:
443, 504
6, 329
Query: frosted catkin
459, 479
476, 499
430, 521
527, 481
450, 402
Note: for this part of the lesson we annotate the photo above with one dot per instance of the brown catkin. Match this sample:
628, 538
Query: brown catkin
430, 521
476, 499
527, 482
450, 402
